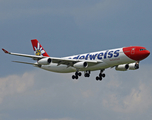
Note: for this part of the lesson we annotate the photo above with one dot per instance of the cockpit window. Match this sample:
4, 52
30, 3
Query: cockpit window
142, 49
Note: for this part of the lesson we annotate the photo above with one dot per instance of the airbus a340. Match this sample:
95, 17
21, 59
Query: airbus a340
123, 59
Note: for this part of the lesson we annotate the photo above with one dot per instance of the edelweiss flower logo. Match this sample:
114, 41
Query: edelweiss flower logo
39, 50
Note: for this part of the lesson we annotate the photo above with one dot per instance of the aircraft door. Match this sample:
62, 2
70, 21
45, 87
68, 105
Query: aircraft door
133, 51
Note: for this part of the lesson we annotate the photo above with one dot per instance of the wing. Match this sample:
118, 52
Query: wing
65, 61
71, 62
34, 57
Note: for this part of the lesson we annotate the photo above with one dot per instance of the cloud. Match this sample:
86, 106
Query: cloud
43, 95
139, 97
14, 84
139, 100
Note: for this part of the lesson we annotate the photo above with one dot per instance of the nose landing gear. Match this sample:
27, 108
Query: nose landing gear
77, 74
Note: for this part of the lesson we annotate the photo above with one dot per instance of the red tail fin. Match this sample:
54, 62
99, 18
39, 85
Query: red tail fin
38, 49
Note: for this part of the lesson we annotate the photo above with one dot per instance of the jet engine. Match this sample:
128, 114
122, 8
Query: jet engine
133, 66
80, 65
44, 61
123, 67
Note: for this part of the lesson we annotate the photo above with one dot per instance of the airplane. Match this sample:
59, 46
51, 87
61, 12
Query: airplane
123, 59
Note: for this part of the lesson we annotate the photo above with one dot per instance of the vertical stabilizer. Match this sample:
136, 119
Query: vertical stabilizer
38, 49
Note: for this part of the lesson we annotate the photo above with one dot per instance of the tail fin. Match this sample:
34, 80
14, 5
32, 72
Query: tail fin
38, 49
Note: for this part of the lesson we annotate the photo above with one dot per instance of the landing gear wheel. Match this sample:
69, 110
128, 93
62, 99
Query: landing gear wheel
103, 75
87, 75
97, 78
100, 78
76, 77
73, 77
79, 73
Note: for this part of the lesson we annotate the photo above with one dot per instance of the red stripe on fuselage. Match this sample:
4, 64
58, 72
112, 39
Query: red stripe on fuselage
136, 53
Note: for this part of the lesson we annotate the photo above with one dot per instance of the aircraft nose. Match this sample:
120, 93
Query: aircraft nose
147, 53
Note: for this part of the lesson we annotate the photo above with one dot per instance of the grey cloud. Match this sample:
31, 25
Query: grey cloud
54, 96
14, 84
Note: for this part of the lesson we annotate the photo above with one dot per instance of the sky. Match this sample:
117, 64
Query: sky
64, 28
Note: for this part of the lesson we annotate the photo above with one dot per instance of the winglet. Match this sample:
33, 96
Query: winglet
5, 51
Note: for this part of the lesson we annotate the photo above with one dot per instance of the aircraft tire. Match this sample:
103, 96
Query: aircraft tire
73, 77
76, 77
87, 75
79, 73
103, 75
97, 78
100, 78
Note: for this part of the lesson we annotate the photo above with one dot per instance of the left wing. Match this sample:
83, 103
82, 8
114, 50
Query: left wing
65, 61
34, 57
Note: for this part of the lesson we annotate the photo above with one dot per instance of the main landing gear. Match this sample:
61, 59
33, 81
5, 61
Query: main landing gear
101, 75
87, 74
77, 74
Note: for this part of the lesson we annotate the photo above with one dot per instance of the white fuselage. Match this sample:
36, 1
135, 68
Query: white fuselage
106, 58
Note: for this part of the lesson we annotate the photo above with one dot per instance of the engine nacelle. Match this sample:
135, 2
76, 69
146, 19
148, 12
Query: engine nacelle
44, 61
80, 65
133, 66
123, 67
